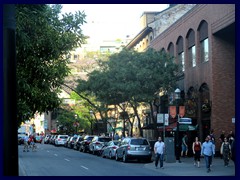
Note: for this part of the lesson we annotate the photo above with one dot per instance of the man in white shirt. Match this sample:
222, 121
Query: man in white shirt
159, 148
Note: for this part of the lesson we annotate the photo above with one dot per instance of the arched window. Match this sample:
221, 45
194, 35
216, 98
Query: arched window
163, 51
171, 49
203, 40
180, 52
191, 48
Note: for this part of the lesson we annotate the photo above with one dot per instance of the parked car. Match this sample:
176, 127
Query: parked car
134, 148
84, 144
60, 140
76, 145
109, 150
66, 142
97, 144
47, 139
21, 138
52, 140
38, 139
71, 142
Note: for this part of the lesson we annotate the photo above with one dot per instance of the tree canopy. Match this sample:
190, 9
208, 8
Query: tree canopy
44, 37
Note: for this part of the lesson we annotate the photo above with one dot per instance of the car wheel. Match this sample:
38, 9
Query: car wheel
124, 157
116, 157
110, 155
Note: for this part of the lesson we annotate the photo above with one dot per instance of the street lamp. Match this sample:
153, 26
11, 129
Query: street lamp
177, 98
76, 123
91, 114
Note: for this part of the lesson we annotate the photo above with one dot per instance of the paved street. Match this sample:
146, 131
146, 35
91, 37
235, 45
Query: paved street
53, 161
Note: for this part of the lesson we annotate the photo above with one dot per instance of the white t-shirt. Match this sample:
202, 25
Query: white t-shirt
160, 147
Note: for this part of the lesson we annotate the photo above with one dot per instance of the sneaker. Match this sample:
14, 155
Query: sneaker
194, 164
162, 167
24, 151
180, 161
208, 170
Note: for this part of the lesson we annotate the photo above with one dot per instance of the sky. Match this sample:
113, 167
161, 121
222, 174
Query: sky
112, 21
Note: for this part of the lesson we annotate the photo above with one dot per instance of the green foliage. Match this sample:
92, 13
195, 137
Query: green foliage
43, 40
131, 76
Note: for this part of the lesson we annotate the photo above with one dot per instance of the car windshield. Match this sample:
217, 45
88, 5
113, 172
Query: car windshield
116, 142
139, 142
63, 137
104, 139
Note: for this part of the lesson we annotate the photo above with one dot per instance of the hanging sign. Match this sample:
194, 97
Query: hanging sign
181, 111
173, 111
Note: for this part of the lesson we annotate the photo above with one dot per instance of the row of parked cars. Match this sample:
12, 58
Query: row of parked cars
126, 149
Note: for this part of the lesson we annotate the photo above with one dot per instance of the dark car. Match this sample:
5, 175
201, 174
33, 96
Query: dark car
71, 142
76, 145
84, 144
97, 144
134, 148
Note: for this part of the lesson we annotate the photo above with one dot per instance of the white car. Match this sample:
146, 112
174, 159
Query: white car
60, 140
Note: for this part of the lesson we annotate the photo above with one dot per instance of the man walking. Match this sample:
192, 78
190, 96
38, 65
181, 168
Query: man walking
159, 148
25, 143
208, 150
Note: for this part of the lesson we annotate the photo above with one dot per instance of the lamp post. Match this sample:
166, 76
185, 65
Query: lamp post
91, 114
76, 123
124, 114
177, 98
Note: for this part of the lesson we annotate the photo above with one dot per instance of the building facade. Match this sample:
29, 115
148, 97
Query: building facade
203, 41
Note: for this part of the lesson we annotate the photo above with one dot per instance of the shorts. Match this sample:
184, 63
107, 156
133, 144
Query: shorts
184, 148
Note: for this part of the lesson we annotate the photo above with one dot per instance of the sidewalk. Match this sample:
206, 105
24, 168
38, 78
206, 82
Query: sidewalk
186, 168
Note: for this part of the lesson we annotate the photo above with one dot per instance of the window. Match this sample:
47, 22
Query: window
191, 48
181, 59
203, 39
192, 55
180, 52
204, 52
171, 49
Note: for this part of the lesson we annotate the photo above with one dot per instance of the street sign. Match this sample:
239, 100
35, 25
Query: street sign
185, 121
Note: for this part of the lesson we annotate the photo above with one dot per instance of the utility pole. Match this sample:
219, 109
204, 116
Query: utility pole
10, 128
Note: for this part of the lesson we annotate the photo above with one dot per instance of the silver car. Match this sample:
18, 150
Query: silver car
109, 150
134, 148
60, 140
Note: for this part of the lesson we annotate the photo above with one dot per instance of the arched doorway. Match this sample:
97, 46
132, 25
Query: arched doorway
205, 110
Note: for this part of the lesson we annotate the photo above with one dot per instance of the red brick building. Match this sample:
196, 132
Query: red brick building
203, 41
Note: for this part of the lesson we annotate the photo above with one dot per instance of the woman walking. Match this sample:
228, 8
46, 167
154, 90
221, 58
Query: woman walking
225, 151
196, 147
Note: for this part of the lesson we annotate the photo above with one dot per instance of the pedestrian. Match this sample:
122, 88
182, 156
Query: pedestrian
196, 148
213, 142
208, 151
212, 136
221, 139
25, 139
230, 137
184, 145
116, 137
159, 148
233, 150
225, 151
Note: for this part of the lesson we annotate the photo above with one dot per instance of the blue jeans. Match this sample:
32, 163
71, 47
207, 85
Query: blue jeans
208, 161
157, 158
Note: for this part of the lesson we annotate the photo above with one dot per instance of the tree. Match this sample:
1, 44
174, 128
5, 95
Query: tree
44, 38
133, 77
